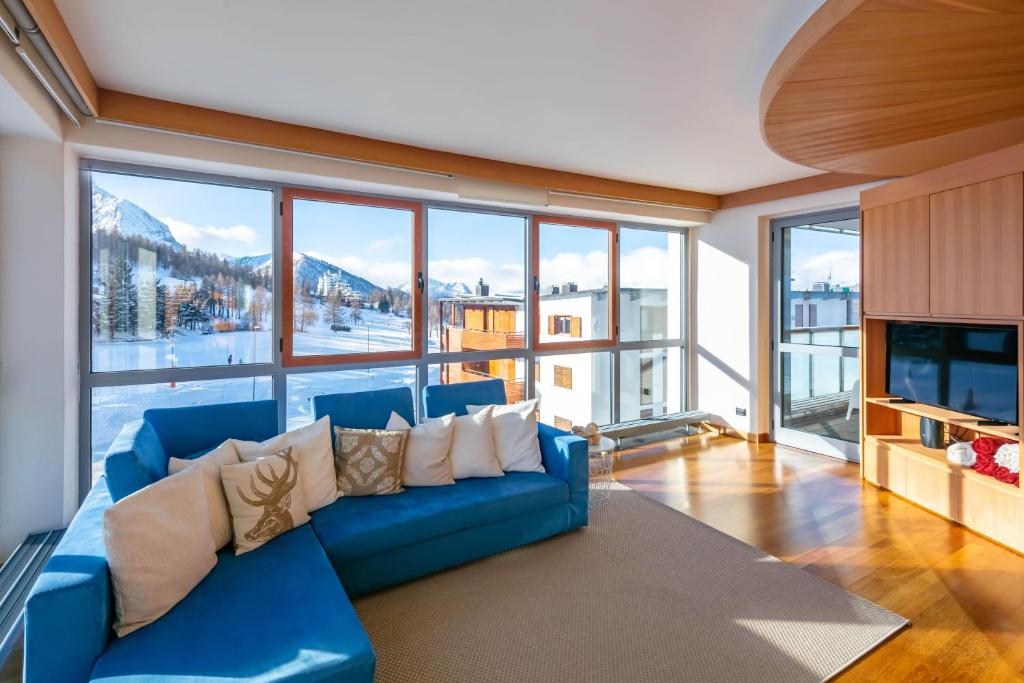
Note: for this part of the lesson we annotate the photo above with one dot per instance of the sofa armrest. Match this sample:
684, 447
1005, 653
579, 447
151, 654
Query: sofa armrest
69, 610
134, 460
566, 456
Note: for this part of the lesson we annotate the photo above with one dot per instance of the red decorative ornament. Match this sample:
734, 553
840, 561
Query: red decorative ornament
985, 448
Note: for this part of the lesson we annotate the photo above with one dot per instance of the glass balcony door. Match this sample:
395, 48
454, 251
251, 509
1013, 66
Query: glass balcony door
816, 332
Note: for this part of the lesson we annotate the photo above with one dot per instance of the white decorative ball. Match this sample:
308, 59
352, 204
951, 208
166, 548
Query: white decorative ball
960, 454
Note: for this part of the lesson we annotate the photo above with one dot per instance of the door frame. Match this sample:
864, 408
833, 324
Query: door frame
836, 448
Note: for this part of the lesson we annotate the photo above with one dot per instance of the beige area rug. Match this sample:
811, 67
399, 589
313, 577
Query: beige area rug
645, 593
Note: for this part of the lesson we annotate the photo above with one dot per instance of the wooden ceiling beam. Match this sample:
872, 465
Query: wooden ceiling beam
135, 110
796, 188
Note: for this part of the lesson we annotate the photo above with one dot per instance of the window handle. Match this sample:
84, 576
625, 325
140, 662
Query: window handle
419, 281
536, 283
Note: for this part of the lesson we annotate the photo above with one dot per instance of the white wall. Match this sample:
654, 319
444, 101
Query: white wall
729, 355
38, 386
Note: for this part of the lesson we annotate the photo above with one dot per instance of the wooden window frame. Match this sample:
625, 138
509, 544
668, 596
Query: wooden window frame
288, 358
536, 221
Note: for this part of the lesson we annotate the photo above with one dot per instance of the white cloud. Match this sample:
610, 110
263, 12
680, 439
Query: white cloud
646, 267
589, 271
380, 273
503, 279
381, 245
843, 264
236, 240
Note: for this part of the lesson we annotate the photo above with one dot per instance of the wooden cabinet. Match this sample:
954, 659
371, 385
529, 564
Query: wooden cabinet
977, 248
894, 242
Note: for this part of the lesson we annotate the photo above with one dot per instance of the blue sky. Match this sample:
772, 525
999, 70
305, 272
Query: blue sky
376, 243
209, 217
813, 255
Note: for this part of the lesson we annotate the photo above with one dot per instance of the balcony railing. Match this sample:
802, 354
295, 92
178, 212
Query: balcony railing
515, 390
458, 339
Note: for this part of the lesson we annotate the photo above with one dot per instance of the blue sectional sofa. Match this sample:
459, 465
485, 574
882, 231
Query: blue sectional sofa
302, 627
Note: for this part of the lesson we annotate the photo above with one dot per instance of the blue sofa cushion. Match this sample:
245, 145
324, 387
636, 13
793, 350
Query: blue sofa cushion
277, 613
134, 460
187, 430
364, 409
69, 610
442, 399
358, 526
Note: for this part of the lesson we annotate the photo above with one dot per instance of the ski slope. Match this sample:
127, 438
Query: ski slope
112, 407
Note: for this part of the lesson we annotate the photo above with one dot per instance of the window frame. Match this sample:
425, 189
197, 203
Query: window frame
536, 220
417, 278
278, 371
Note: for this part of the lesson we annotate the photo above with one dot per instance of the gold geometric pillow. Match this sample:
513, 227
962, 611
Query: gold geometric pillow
368, 462
265, 498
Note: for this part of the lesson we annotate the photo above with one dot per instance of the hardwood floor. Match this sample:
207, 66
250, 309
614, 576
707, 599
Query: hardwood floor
963, 594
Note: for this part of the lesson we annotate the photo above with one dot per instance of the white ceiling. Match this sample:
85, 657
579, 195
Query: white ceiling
657, 91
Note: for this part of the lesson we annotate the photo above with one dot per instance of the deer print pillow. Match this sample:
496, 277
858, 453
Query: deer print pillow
265, 499
369, 461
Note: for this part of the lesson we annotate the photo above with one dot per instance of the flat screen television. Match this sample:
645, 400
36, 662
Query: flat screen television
967, 368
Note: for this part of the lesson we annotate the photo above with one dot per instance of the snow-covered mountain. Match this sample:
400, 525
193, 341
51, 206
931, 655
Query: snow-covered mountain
310, 270
114, 214
440, 290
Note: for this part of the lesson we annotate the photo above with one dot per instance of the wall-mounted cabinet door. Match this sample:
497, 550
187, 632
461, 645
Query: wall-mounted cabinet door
894, 243
977, 246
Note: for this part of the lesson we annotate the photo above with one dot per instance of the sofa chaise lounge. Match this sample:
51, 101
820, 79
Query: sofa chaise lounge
283, 612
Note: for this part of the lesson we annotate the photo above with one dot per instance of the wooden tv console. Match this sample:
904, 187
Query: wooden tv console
945, 246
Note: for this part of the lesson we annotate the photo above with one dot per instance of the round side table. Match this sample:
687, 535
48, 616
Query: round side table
600, 471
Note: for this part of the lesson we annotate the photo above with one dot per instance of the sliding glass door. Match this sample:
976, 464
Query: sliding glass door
816, 332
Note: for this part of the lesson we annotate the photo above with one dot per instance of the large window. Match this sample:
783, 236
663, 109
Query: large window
351, 277
651, 285
181, 274
113, 406
651, 382
576, 387
201, 289
574, 262
303, 386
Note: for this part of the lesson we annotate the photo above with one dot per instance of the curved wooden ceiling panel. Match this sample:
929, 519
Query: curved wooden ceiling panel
895, 87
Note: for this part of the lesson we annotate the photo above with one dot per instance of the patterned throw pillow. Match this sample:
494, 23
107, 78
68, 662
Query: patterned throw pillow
368, 462
265, 498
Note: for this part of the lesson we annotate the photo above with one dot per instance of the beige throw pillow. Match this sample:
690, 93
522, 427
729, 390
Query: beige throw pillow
159, 547
311, 448
265, 499
472, 453
369, 461
515, 435
216, 504
426, 462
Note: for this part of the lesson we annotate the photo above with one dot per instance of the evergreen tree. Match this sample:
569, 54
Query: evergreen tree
161, 309
123, 297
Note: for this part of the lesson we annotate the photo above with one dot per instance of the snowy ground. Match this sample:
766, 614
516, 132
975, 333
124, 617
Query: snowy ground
114, 406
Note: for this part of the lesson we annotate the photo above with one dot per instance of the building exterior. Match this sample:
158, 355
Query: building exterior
573, 388
483, 323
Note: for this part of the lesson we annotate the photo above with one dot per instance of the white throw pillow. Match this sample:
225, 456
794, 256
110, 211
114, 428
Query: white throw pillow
311, 448
515, 435
216, 505
426, 461
472, 452
159, 547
